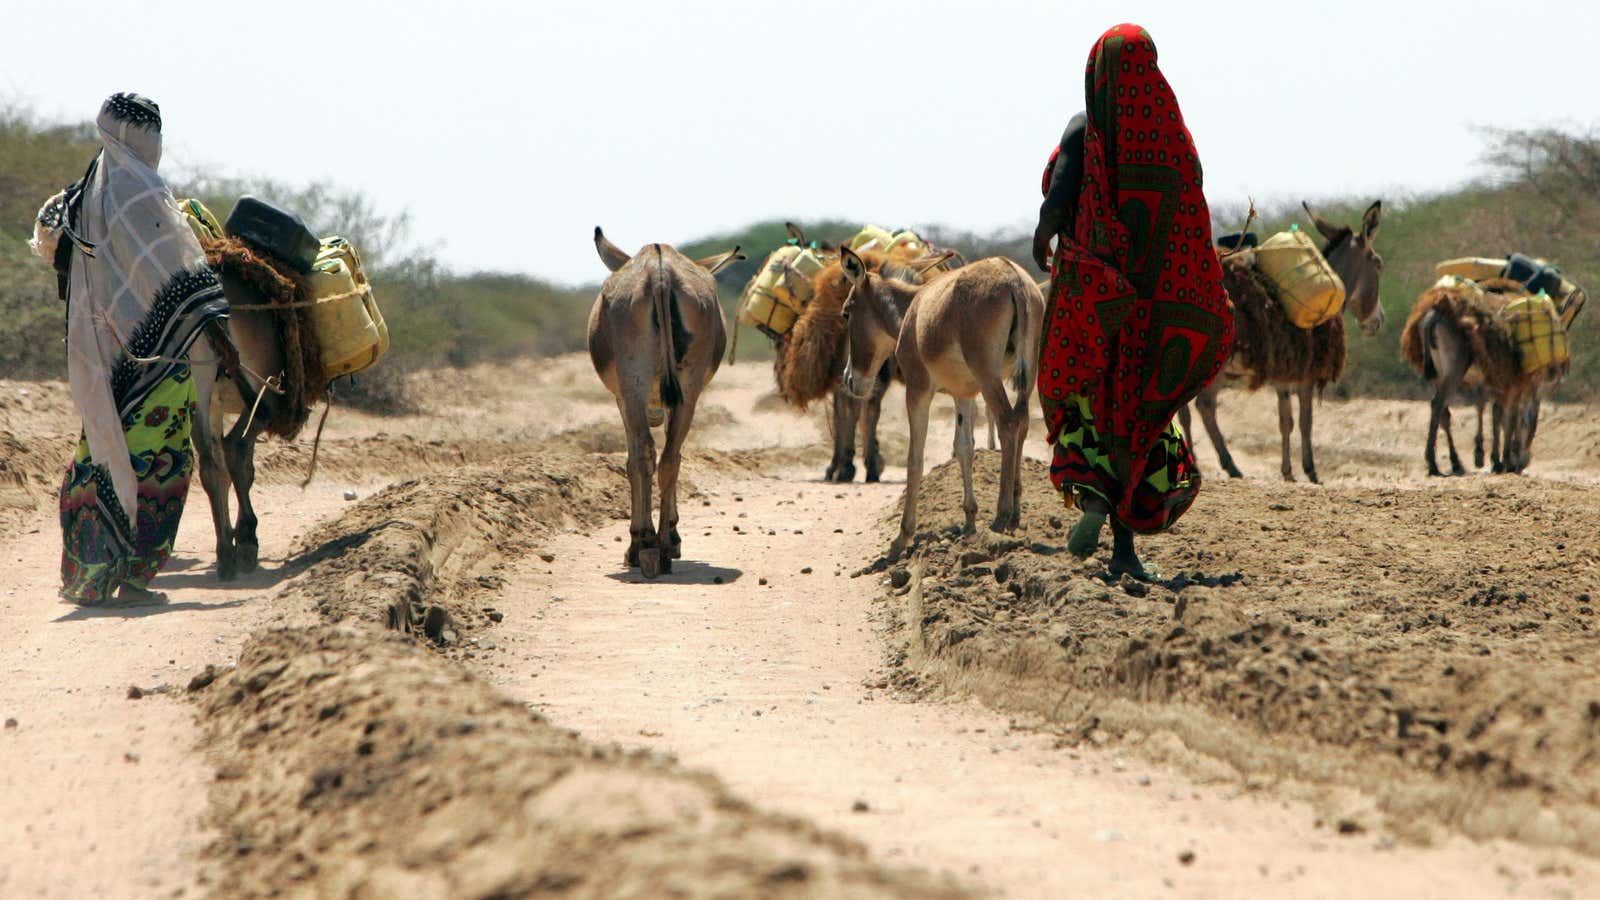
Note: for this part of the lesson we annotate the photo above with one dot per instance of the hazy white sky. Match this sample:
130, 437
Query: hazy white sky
510, 129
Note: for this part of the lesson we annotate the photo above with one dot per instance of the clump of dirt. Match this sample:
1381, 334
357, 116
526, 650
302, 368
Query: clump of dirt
351, 764
417, 555
1432, 645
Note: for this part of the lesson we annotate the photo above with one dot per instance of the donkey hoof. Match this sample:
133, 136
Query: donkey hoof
874, 475
249, 558
1235, 473
227, 570
1311, 476
846, 473
650, 563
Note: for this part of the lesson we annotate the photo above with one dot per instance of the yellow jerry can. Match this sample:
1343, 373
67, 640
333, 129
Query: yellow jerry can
871, 238
1472, 268
769, 304
204, 225
1310, 291
1536, 328
349, 327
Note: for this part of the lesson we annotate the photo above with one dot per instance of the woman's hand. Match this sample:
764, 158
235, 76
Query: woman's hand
1041, 246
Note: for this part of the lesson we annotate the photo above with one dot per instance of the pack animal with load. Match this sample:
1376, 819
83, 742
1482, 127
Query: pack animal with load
301, 314
1498, 340
1289, 296
809, 353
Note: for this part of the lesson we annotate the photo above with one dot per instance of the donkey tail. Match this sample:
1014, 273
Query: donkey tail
1024, 341
667, 325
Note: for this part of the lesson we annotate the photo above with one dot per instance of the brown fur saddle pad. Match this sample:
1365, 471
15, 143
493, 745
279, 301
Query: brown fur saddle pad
1266, 345
1477, 308
273, 284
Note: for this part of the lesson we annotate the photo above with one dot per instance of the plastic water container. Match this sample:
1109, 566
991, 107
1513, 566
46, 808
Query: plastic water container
871, 238
343, 249
1310, 291
1537, 330
1472, 268
352, 338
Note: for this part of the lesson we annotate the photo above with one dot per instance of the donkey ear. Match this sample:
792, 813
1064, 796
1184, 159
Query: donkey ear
715, 264
610, 253
1331, 232
1370, 221
854, 268
795, 232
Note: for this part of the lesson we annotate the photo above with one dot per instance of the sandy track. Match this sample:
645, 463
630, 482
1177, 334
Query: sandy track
676, 667
780, 689
105, 795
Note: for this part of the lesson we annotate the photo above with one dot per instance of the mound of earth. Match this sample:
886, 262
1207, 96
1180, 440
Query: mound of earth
418, 556
353, 761
1432, 646
351, 764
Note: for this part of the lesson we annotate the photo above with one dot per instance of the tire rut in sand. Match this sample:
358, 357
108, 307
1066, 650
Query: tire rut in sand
1403, 656
357, 761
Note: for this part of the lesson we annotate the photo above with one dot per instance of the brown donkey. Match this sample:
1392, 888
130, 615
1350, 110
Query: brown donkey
1268, 348
656, 337
962, 334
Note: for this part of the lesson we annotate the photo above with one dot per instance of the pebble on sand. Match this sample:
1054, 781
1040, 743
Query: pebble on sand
1186, 857
350, 495
860, 806
10, 724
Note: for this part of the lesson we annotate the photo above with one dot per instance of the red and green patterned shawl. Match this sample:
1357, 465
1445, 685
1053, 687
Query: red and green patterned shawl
1138, 321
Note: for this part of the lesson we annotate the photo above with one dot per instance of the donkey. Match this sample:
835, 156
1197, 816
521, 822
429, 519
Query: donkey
1448, 342
226, 456
961, 334
656, 338
1268, 348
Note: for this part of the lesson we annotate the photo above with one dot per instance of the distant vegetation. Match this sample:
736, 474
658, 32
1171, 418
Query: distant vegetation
1542, 198
436, 317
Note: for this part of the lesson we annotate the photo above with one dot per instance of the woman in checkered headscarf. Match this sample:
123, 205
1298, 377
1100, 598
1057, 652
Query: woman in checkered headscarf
138, 294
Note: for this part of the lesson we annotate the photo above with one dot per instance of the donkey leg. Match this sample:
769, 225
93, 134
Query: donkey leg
965, 444
240, 451
1206, 404
642, 549
1285, 429
1496, 450
1006, 516
1430, 449
213, 464
1477, 440
679, 419
1447, 420
1308, 462
918, 400
871, 411
846, 413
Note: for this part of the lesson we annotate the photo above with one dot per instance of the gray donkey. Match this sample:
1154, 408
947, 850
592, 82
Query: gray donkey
656, 337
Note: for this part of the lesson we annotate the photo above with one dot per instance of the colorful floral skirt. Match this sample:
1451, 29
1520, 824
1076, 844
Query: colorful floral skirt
101, 550
1081, 464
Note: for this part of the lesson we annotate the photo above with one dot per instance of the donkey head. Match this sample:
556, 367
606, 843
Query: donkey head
872, 325
1358, 264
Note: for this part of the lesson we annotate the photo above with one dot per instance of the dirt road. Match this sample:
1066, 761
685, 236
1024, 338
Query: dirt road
781, 689
766, 667
105, 795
